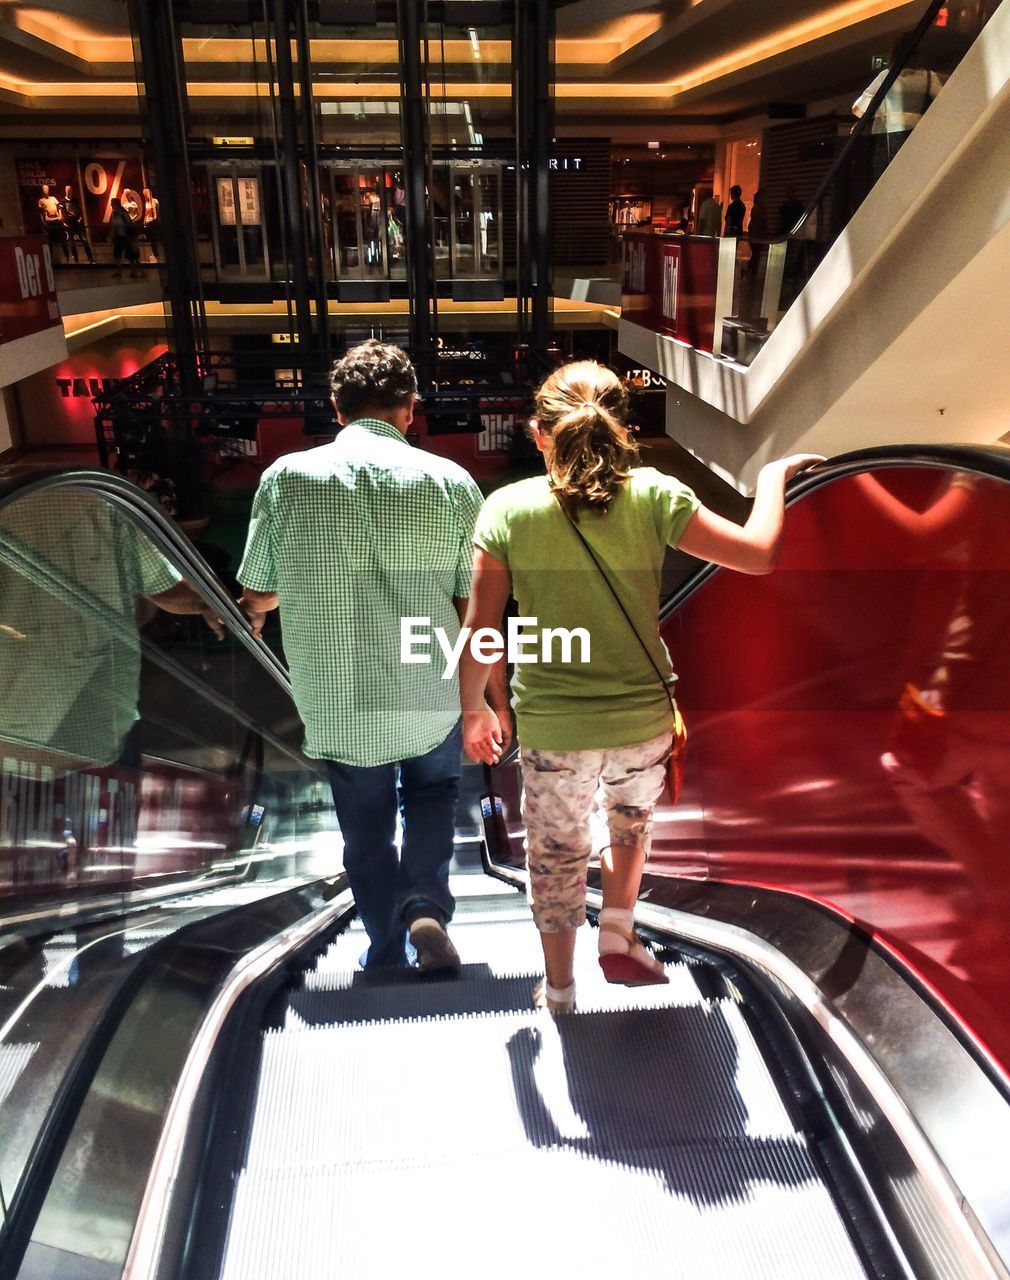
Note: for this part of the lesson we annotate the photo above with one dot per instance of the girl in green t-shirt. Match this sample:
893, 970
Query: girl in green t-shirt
581, 549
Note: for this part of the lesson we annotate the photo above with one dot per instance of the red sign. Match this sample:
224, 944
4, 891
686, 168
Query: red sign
106, 180
27, 288
669, 285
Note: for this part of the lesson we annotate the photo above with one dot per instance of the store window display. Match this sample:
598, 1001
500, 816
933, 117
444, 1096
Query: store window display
74, 225
152, 221
51, 217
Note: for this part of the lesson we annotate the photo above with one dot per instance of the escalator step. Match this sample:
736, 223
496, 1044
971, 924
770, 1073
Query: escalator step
380, 1093
403, 1124
506, 951
388, 997
733, 1212
628, 1136
14, 1058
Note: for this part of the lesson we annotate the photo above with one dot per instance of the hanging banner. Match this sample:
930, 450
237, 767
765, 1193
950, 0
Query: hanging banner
106, 180
27, 288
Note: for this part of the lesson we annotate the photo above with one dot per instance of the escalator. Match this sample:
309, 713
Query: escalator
653, 1123
207, 1086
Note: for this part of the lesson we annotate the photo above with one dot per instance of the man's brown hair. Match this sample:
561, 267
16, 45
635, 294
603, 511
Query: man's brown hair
372, 375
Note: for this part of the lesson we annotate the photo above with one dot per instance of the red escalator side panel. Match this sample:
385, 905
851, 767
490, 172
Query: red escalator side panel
849, 720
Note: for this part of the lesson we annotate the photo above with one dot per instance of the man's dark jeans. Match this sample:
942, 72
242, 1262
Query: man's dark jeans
390, 891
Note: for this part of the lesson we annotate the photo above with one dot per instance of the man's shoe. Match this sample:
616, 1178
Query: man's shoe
435, 952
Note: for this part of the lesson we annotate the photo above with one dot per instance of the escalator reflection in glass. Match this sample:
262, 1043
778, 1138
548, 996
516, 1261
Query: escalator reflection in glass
146, 766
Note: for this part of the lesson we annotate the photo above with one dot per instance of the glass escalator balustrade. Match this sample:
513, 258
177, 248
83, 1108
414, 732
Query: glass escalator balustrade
146, 766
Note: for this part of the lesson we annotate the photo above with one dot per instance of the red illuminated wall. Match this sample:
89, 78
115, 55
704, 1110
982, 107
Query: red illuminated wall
849, 720
56, 406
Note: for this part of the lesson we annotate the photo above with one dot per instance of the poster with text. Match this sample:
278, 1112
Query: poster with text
34, 174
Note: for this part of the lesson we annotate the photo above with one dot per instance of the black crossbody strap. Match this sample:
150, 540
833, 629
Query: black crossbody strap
620, 604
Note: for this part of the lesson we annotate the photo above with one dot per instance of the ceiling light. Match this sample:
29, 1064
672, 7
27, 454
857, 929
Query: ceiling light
474, 43
653, 146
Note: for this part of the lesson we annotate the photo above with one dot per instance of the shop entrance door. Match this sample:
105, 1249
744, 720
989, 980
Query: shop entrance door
240, 229
367, 218
467, 221
367, 221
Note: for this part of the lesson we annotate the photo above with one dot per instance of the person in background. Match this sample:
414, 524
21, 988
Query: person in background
583, 546
736, 211
790, 211
757, 228
124, 245
152, 220
51, 214
758, 224
348, 540
709, 217
73, 221
903, 107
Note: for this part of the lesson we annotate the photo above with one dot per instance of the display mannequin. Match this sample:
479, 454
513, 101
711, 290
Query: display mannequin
152, 224
51, 216
73, 223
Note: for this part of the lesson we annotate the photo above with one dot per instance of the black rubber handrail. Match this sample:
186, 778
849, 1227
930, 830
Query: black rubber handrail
979, 459
163, 532
864, 123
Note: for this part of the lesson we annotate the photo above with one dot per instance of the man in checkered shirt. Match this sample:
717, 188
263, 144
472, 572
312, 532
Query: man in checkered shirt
347, 540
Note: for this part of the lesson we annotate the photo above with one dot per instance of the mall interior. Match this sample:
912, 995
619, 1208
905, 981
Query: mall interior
786, 226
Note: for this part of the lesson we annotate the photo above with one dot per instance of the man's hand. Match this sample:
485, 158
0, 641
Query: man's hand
256, 617
256, 605
482, 736
184, 598
213, 620
503, 712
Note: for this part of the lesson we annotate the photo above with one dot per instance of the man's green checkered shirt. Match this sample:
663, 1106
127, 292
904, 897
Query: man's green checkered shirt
354, 536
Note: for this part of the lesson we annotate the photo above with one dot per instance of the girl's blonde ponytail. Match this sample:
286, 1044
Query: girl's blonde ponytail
583, 409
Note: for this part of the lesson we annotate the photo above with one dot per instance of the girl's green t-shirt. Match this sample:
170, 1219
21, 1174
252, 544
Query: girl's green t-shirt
614, 699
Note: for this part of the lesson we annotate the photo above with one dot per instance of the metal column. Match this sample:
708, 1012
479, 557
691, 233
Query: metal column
534, 110
314, 192
162, 71
415, 133
292, 207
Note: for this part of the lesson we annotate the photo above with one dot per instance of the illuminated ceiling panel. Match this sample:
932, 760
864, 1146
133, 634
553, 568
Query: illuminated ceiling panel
644, 60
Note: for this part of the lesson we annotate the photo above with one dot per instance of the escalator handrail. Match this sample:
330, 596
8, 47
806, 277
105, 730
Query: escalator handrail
69, 1095
865, 121
163, 532
979, 459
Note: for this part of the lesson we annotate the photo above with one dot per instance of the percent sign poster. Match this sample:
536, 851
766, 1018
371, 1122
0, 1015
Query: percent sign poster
106, 180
